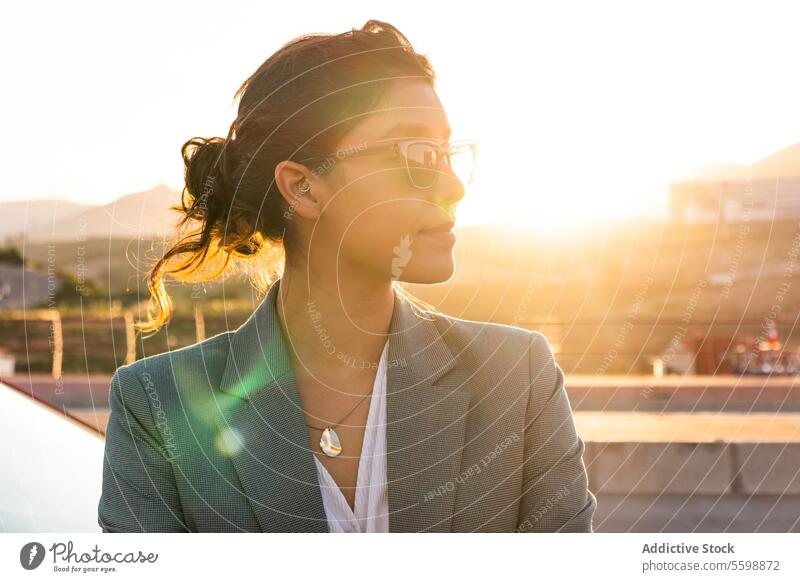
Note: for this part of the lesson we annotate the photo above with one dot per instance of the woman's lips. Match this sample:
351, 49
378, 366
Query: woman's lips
441, 227
439, 235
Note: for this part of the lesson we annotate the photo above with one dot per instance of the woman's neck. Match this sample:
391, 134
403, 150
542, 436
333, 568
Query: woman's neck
333, 329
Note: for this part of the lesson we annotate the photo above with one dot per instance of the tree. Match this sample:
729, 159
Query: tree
10, 255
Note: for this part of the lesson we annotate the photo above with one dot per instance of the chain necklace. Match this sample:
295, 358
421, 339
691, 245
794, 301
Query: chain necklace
329, 442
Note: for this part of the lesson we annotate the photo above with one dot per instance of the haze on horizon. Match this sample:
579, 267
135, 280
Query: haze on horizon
582, 111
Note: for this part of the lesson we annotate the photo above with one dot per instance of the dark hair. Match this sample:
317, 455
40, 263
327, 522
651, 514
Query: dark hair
299, 103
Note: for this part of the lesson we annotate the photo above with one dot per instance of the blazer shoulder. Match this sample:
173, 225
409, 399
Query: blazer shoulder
209, 353
486, 352
483, 337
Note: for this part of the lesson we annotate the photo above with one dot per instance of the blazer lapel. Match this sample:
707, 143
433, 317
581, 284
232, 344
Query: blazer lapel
425, 424
265, 429
272, 459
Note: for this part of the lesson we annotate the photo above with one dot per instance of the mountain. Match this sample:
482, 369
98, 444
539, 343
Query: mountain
785, 162
141, 214
35, 215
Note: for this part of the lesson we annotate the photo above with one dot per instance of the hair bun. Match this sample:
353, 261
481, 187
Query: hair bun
203, 160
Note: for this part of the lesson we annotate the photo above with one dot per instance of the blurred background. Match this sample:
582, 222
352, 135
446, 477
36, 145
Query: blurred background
637, 201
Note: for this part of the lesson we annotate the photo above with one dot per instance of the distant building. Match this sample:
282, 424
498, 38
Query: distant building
699, 354
765, 356
726, 201
23, 289
728, 193
677, 358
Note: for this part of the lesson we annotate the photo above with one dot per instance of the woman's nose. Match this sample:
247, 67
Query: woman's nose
449, 190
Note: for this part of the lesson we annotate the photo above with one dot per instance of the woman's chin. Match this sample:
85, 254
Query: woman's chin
432, 269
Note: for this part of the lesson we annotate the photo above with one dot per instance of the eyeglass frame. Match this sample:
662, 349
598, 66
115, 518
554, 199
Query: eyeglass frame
400, 145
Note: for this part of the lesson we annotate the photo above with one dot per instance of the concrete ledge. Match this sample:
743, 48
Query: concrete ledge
713, 468
768, 468
684, 393
694, 427
697, 513
658, 468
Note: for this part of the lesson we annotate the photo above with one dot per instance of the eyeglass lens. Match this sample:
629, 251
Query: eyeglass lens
425, 162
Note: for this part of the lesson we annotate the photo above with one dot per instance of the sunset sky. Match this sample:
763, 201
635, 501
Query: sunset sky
583, 111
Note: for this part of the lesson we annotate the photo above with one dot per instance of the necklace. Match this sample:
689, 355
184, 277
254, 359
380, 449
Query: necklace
329, 442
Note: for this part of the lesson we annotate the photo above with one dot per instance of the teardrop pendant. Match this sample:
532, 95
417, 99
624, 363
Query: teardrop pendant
329, 443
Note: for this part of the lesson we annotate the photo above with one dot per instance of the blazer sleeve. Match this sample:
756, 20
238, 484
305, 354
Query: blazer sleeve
139, 492
555, 493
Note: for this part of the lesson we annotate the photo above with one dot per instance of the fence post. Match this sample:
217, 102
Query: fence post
130, 337
199, 323
58, 342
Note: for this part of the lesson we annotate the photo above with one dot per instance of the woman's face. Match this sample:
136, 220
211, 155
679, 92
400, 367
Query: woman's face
373, 220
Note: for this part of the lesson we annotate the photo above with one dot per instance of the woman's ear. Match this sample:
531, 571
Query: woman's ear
296, 184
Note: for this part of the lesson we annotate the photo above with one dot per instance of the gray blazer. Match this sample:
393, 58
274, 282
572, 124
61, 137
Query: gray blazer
480, 435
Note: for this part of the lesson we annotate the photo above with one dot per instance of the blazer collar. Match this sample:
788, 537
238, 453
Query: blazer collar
424, 432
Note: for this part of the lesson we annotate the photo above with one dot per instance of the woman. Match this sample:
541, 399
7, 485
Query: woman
342, 403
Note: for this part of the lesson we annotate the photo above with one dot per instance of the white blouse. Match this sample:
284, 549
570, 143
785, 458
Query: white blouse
372, 501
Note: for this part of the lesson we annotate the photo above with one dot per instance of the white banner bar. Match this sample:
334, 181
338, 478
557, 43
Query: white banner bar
320, 557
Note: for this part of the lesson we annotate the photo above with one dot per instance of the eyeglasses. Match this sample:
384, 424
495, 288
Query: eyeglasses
424, 159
